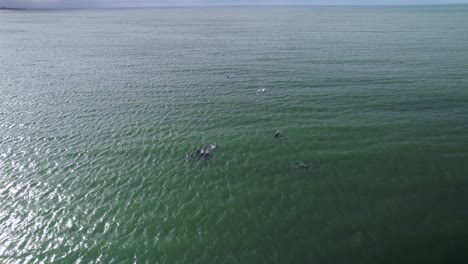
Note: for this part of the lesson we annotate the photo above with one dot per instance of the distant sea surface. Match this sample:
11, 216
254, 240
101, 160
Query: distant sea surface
99, 110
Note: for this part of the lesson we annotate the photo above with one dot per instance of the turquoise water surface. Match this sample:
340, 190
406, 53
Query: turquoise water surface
100, 108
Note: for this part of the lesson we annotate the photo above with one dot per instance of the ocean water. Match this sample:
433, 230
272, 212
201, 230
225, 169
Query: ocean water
100, 108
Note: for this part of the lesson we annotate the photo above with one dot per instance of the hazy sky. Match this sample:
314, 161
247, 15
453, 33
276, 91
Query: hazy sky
140, 3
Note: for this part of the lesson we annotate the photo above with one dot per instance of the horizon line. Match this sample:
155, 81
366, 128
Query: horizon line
226, 5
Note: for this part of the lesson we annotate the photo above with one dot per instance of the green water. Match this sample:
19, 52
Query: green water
98, 110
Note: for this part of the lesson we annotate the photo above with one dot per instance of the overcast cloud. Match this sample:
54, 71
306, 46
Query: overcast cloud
142, 3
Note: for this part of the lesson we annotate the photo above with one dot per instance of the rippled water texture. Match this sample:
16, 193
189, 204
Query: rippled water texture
99, 109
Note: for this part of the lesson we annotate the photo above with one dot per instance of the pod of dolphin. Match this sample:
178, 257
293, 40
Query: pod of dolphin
204, 153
